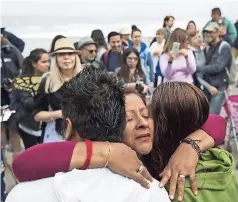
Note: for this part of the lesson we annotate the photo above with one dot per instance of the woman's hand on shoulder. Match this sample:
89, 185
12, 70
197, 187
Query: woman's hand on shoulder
124, 161
180, 165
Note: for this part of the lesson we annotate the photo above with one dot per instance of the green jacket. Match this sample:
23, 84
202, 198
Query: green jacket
230, 29
215, 178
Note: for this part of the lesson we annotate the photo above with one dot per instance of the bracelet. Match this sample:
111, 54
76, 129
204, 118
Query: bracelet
194, 145
170, 62
89, 154
109, 154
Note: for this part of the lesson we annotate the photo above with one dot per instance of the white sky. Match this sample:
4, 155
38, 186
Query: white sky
78, 17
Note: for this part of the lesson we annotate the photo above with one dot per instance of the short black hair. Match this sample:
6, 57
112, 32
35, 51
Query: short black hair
216, 11
94, 101
112, 34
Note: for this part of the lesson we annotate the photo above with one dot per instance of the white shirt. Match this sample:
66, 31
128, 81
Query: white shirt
102, 185
34, 191
155, 47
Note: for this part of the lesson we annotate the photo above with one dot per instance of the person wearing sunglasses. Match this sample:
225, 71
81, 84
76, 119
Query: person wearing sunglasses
88, 51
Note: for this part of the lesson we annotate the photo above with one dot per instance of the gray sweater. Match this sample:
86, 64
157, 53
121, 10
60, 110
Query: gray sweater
214, 70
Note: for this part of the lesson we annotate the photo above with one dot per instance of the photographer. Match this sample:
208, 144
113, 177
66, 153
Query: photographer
131, 72
11, 60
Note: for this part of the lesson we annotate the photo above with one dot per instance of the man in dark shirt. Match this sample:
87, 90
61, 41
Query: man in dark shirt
112, 57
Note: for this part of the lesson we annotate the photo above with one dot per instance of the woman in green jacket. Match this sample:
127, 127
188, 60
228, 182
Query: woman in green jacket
178, 109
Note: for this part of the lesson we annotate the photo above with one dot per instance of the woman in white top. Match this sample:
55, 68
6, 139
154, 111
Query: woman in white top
157, 49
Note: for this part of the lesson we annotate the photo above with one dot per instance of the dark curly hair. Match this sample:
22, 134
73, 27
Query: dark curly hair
178, 109
94, 102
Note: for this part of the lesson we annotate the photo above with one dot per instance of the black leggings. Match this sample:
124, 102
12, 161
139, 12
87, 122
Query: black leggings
28, 140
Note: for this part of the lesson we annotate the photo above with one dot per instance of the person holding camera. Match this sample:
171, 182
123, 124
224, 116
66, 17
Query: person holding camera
131, 72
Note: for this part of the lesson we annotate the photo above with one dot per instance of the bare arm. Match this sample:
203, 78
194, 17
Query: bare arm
41, 160
47, 116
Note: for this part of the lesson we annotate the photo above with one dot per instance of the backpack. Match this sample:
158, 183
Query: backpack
231, 69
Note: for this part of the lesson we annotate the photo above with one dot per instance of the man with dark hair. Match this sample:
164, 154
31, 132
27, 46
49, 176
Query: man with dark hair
93, 106
88, 52
112, 57
227, 30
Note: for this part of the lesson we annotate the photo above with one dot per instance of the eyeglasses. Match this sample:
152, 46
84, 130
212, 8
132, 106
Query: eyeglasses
135, 59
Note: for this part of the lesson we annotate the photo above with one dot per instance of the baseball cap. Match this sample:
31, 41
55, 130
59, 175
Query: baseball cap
211, 26
125, 31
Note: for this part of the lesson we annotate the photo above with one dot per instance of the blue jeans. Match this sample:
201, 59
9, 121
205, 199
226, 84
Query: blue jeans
217, 101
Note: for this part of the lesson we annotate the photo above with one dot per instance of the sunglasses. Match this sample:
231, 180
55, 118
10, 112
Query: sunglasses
91, 51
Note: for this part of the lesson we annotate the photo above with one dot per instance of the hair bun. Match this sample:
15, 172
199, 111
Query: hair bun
134, 27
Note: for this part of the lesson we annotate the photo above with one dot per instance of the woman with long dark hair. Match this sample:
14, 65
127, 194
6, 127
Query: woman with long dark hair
131, 72
146, 59
25, 88
98, 37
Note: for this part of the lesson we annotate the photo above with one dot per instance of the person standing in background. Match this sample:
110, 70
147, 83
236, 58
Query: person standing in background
88, 52
65, 64
125, 37
13, 39
145, 55
112, 58
11, 61
131, 72
218, 58
235, 45
178, 66
227, 30
191, 26
98, 37
25, 88
156, 50
195, 41
167, 25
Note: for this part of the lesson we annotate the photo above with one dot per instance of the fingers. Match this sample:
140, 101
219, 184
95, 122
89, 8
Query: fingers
194, 184
166, 174
173, 182
141, 180
145, 173
181, 184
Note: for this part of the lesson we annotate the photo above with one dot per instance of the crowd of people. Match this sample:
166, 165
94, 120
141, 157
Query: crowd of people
124, 106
